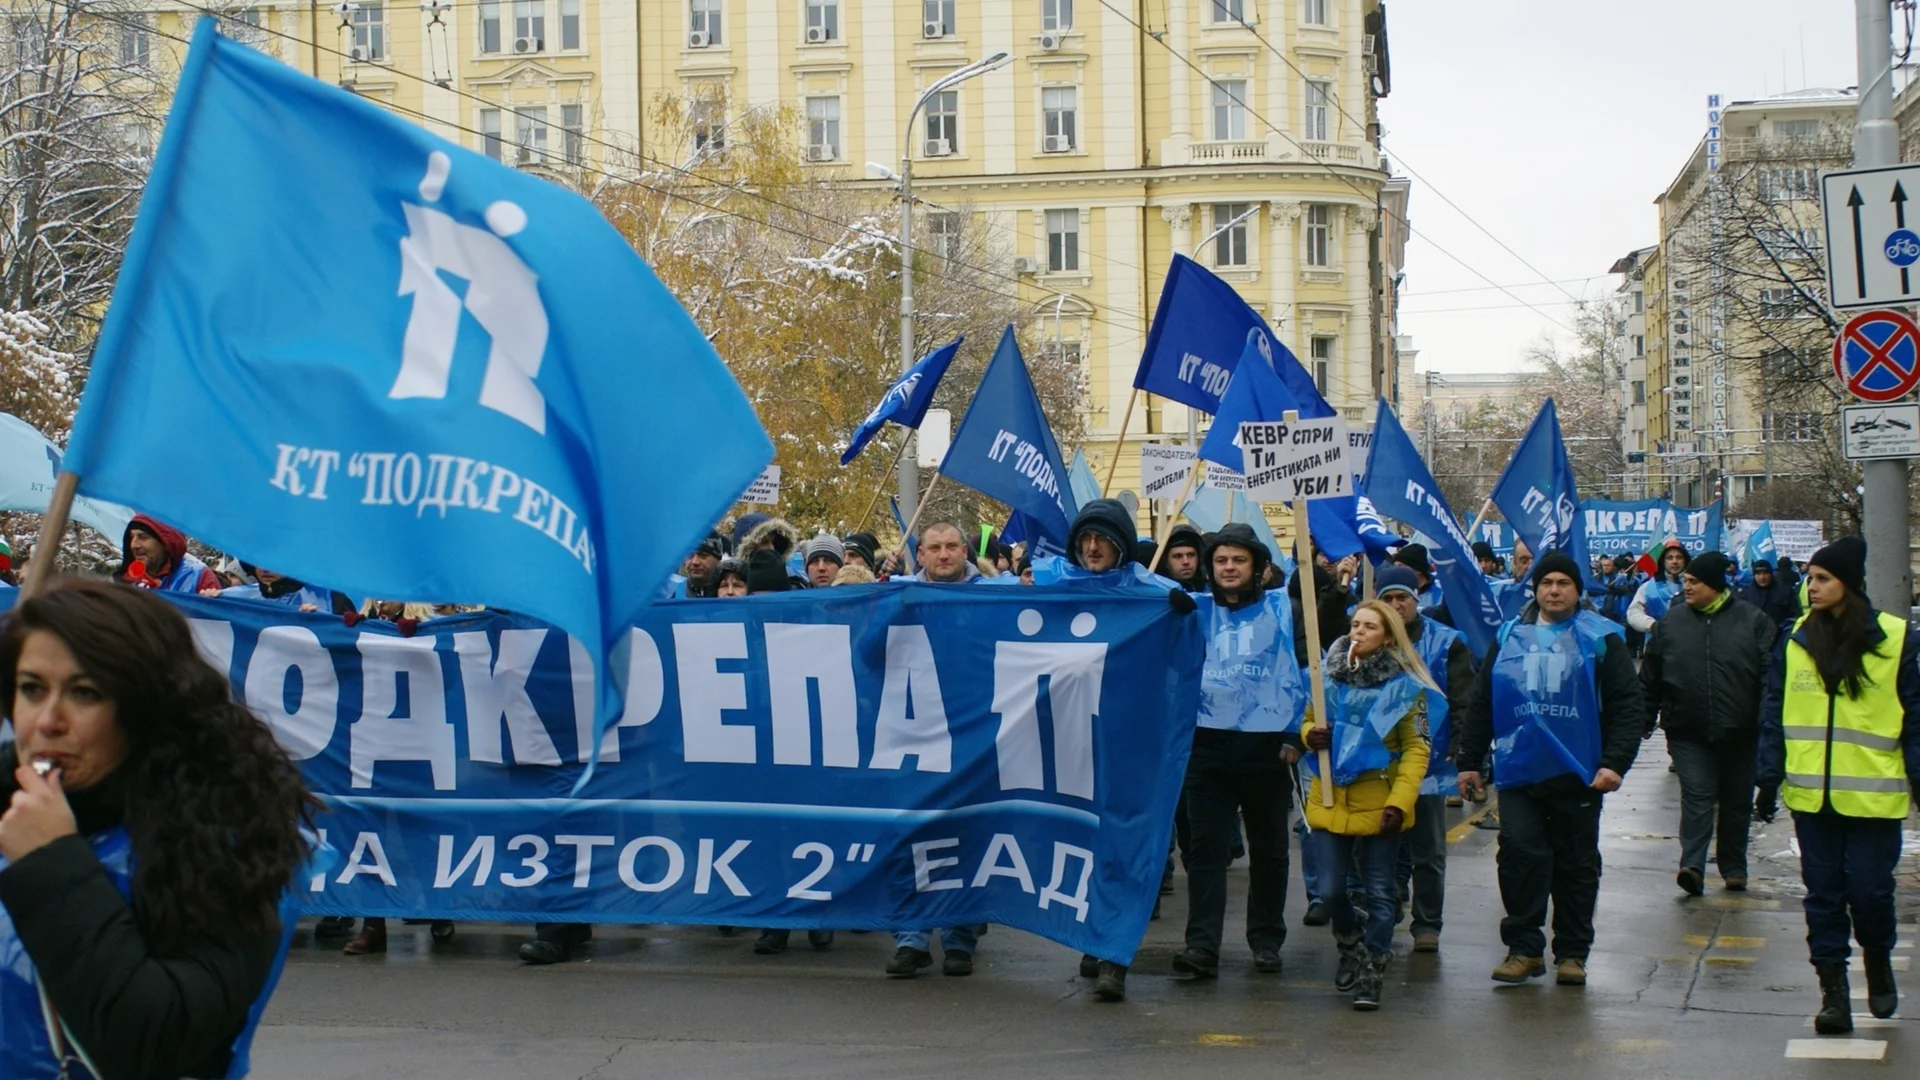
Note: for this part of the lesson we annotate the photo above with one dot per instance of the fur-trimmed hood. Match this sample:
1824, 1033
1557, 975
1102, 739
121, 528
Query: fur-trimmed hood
775, 532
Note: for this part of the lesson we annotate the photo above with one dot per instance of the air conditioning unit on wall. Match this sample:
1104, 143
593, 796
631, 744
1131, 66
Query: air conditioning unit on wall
938, 148
526, 44
1049, 42
933, 30
698, 40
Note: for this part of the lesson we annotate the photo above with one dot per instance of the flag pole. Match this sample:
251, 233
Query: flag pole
1474, 529
1119, 442
1166, 527
52, 524
1309, 614
881, 489
906, 549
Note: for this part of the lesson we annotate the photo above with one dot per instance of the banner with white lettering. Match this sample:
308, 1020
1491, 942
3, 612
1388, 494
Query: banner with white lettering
865, 757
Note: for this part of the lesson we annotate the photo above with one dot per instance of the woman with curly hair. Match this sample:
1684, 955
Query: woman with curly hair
152, 827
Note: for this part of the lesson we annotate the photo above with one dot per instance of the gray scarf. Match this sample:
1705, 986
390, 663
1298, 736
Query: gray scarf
1375, 669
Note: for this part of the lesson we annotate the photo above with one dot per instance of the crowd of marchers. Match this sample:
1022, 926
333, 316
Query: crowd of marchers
1774, 685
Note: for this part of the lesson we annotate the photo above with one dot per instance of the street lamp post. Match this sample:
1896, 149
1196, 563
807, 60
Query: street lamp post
910, 463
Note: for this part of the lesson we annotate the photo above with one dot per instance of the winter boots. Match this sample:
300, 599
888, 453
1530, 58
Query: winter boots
1836, 1005
1883, 997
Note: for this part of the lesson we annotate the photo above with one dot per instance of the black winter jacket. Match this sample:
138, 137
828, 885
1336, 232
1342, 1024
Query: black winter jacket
1704, 673
1622, 712
139, 1015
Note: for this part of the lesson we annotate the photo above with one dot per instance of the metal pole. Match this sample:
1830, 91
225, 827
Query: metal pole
1885, 500
909, 462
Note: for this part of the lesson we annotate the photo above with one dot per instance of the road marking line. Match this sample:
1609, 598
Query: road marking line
1731, 961
1899, 963
1702, 941
1831, 1049
1459, 832
1227, 1040
1866, 1020
1739, 903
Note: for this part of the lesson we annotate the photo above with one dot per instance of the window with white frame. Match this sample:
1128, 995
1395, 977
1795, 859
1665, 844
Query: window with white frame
1319, 235
823, 20
489, 26
1056, 14
943, 123
136, 40
1791, 427
1230, 247
370, 31
1782, 303
244, 26
1796, 129
943, 234
704, 18
1639, 345
529, 25
1320, 351
939, 13
573, 149
569, 24
1229, 109
1227, 11
530, 135
1787, 185
1060, 108
823, 128
1063, 241
1313, 12
1319, 98
707, 117
490, 133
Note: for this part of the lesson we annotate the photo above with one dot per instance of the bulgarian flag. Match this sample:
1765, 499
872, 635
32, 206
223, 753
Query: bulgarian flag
1649, 561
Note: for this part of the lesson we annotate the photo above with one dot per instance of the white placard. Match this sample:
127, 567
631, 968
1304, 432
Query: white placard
765, 489
1797, 539
1164, 468
933, 438
1359, 447
1306, 459
1872, 248
1880, 431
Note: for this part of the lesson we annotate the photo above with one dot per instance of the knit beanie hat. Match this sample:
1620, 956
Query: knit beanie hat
1556, 562
1393, 578
767, 572
1710, 568
1415, 556
1846, 559
1483, 550
823, 546
866, 544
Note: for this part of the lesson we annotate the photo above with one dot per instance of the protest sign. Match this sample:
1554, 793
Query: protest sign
1163, 468
765, 489
1296, 460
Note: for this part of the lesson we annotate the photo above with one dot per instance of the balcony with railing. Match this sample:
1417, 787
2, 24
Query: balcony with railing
1227, 151
1263, 151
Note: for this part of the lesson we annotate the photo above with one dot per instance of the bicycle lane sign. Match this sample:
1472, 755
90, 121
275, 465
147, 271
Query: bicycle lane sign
1877, 356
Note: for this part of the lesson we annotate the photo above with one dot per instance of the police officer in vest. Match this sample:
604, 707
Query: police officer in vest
1840, 738
1423, 851
1558, 699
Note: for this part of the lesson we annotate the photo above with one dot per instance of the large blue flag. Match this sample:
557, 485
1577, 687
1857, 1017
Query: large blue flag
1401, 486
1701, 528
1198, 332
906, 401
1536, 492
1005, 450
350, 350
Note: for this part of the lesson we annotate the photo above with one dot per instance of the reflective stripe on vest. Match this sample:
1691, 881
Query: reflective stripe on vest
1842, 751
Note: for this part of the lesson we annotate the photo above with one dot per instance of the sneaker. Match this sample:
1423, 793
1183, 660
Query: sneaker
1089, 966
956, 963
821, 940
1736, 883
1571, 972
1518, 969
908, 962
1426, 941
1266, 960
770, 943
1691, 881
1316, 915
1366, 989
1189, 965
1353, 959
1113, 982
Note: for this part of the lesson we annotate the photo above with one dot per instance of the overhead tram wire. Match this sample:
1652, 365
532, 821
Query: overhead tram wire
1335, 173
711, 208
1415, 173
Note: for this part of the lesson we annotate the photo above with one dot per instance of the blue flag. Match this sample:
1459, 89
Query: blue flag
1005, 450
1199, 330
345, 348
1080, 478
1536, 492
1400, 485
905, 402
1701, 528
1760, 545
29, 464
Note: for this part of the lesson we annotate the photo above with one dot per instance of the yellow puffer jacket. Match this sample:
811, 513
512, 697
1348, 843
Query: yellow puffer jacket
1356, 807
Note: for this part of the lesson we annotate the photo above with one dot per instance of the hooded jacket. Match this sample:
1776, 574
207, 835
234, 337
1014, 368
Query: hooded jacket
1656, 594
1239, 534
1107, 519
1184, 535
185, 573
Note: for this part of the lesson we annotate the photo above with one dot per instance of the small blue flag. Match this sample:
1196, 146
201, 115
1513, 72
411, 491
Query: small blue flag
1701, 528
1760, 545
420, 374
29, 464
1005, 450
906, 401
1536, 492
1400, 485
1080, 478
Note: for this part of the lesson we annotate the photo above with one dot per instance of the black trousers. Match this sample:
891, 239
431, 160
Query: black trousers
1237, 773
1549, 850
1716, 801
1848, 864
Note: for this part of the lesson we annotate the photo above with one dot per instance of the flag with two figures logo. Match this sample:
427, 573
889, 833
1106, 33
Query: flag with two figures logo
350, 351
1536, 492
906, 401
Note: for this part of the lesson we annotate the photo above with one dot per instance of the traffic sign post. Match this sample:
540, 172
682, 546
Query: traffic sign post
1877, 432
1877, 356
1871, 250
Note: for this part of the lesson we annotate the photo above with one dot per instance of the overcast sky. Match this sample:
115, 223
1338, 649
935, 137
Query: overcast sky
1554, 125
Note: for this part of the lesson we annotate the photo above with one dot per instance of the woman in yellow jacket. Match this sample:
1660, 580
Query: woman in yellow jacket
1380, 702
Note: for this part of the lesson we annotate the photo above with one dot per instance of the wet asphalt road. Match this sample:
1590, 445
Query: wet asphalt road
1699, 988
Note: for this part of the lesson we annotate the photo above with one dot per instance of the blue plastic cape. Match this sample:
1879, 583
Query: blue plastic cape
1546, 704
1660, 593
1251, 681
1435, 641
1363, 717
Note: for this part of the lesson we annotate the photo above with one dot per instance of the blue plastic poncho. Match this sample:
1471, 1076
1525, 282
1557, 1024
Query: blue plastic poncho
1435, 641
1251, 681
1546, 702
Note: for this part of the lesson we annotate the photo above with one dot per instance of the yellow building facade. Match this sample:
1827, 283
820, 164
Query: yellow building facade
1116, 137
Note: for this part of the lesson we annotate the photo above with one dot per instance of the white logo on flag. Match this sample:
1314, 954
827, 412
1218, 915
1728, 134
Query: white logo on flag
501, 296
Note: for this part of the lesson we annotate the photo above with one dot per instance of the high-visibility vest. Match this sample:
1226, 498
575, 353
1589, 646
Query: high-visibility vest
1844, 751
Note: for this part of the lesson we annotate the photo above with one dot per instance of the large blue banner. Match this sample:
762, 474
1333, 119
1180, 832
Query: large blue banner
865, 757
1634, 526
